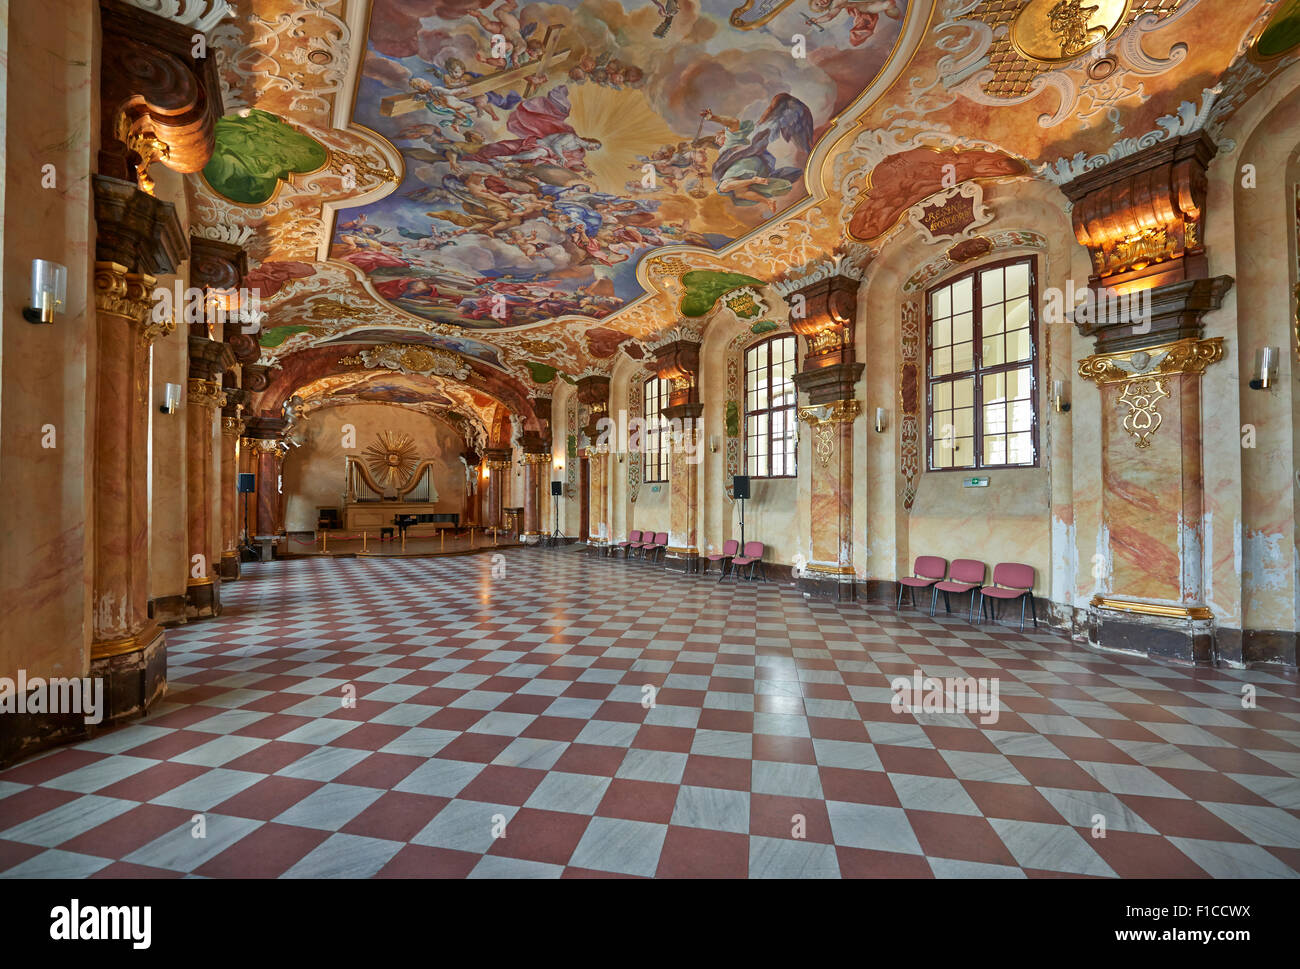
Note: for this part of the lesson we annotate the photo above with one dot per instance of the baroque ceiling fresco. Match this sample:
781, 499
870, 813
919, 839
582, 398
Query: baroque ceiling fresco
535, 189
549, 146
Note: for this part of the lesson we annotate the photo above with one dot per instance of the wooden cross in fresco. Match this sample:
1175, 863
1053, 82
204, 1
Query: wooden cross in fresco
396, 104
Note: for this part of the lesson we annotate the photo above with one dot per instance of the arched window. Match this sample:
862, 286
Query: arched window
981, 348
770, 436
656, 429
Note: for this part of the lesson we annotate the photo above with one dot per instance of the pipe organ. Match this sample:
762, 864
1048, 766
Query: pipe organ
369, 505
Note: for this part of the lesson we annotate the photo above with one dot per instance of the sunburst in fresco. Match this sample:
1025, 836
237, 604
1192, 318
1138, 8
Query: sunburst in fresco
391, 457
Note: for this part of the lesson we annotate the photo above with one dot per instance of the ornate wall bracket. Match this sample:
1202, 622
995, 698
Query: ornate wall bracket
678, 362
1144, 217
158, 101
593, 391
136, 230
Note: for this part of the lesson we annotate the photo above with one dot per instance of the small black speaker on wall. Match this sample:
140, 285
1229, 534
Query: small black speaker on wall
557, 488
740, 486
247, 484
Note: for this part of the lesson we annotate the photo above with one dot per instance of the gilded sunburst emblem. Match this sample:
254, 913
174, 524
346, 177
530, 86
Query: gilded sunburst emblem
391, 457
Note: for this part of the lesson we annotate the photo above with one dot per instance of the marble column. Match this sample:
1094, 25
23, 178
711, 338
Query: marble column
137, 236
537, 465
264, 439
203, 446
830, 564
120, 620
684, 502
232, 428
598, 495
497, 461
270, 458
677, 360
593, 393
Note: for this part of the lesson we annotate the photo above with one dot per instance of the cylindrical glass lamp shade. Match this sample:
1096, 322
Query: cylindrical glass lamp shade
49, 288
1266, 365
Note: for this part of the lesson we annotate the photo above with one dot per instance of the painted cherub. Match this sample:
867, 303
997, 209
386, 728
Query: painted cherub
864, 15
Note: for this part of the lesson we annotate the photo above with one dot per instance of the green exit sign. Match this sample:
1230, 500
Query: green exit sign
975, 482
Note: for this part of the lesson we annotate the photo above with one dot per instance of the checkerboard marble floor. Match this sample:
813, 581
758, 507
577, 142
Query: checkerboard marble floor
498, 730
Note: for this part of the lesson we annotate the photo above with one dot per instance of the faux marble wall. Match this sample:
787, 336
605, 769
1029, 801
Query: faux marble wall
169, 560
1025, 515
313, 473
1259, 312
47, 375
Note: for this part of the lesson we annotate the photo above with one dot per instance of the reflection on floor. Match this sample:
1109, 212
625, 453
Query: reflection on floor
503, 726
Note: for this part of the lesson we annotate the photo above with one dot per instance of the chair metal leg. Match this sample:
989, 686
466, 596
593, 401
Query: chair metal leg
970, 617
1022, 613
1033, 610
934, 599
898, 607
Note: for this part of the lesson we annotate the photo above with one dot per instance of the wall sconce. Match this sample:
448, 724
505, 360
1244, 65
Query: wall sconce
1059, 403
881, 417
49, 291
713, 444
1266, 364
171, 398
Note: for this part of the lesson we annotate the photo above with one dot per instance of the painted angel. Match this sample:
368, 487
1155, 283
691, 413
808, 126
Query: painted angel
745, 171
863, 14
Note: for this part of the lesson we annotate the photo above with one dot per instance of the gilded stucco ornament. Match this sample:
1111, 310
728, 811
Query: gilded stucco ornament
1145, 375
206, 393
411, 359
822, 418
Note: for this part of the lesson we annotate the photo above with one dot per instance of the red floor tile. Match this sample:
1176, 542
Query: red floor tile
544, 836
697, 853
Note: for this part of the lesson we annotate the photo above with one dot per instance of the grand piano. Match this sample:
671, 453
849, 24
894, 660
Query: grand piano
441, 519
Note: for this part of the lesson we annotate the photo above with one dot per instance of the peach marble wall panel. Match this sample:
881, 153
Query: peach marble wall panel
45, 492
1142, 501
1263, 227
832, 496
1005, 522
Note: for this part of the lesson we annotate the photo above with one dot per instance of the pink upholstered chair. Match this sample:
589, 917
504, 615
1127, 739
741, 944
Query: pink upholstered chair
966, 575
926, 571
633, 538
1011, 581
753, 557
654, 550
730, 549
647, 542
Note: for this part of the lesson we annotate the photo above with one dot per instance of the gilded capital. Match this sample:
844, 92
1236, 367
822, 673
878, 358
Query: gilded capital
1190, 356
232, 426
837, 412
206, 393
130, 295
